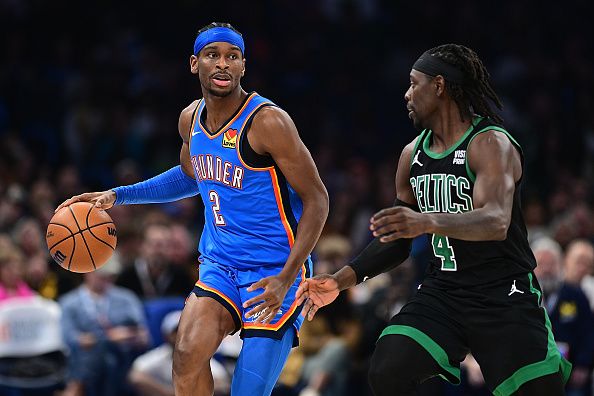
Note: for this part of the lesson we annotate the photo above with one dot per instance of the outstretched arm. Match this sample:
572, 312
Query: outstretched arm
496, 163
376, 258
274, 133
171, 185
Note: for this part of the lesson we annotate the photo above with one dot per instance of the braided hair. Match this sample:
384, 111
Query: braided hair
474, 94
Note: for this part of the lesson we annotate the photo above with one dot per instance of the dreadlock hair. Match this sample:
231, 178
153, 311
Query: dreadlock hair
217, 24
470, 96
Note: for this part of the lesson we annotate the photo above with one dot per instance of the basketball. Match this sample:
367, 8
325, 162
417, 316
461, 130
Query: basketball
80, 237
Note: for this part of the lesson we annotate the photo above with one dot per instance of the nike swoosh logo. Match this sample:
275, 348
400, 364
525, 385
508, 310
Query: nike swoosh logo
194, 133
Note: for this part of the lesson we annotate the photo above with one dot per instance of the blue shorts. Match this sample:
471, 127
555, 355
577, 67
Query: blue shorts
228, 285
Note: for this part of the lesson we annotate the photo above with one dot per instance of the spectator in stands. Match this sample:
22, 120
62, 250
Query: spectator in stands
104, 326
182, 248
151, 372
579, 267
47, 278
569, 312
152, 274
326, 364
29, 237
12, 284
579, 261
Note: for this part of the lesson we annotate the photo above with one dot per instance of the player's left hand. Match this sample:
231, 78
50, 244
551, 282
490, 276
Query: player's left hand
398, 222
270, 301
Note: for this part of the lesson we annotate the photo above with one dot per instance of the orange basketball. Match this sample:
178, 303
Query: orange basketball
80, 237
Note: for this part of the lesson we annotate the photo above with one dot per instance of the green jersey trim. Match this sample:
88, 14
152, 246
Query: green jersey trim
471, 174
451, 373
444, 154
551, 364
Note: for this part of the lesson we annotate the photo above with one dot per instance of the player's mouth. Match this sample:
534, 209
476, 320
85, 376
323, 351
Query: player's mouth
221, 80
410, 112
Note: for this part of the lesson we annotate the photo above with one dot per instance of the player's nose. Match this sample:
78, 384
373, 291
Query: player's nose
222, 63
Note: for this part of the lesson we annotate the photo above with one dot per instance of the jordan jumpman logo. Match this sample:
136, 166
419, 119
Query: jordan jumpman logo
514, 289
416, 159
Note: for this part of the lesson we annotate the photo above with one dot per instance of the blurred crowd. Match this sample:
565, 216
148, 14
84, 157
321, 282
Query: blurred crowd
90, 93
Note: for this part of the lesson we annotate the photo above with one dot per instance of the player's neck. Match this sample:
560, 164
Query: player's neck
448, 128
220, 109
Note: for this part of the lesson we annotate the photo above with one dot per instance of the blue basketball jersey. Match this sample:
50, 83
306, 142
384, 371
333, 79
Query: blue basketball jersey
251, 213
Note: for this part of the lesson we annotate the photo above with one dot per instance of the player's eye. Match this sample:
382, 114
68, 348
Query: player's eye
233, 56
211, 54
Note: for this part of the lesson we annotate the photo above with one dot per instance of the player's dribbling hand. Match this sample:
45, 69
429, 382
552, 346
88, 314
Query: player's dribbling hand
102, 200
316, 292
270, 301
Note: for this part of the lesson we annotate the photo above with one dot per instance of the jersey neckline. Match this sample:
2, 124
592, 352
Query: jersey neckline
453, 147
226, 124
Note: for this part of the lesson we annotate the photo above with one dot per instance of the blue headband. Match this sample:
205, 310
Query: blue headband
213, 35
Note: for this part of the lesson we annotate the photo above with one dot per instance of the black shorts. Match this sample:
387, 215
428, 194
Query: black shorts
502, 324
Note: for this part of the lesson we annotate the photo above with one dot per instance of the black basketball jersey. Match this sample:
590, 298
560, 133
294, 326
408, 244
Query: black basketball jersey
444, 183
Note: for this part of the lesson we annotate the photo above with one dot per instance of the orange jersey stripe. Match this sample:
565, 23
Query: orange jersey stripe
218, 293
281, 208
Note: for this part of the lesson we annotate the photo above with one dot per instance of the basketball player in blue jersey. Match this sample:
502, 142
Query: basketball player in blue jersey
458, 181
265, 207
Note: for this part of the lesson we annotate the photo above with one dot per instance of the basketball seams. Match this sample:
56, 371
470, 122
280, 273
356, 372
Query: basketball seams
99, 239
83, 238
88, 214
62, 225
74, 217
72, 253
72, 234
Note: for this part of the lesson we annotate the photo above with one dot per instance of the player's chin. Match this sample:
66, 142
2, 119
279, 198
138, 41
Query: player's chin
221, 92
417, 123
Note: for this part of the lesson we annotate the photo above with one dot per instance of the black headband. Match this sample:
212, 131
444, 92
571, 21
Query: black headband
433, 66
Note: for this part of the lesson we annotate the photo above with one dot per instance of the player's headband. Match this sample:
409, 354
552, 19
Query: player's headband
433, 66
218, 34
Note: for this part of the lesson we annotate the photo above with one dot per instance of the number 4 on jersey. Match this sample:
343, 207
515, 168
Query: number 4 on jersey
445, 251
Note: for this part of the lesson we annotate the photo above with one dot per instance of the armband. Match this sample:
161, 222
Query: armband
379, 257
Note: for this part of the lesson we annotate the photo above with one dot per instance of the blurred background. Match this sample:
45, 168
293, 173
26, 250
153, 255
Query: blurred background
90, 95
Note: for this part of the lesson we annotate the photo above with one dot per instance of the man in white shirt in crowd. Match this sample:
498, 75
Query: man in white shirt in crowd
151, 372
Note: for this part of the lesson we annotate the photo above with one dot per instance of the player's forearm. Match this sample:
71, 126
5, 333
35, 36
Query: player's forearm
169, 186
379, 257
309, 229
477, 225
345, 278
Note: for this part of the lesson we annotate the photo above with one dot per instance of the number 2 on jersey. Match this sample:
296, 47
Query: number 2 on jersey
216, 206
445, 251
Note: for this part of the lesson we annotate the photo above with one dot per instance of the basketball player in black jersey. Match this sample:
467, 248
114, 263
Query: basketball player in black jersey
459, 182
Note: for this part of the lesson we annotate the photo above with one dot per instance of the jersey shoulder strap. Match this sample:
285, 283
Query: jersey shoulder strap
485, 125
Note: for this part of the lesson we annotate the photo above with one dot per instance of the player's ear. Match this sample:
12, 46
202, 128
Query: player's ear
194, 64
243, 68
439, 84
